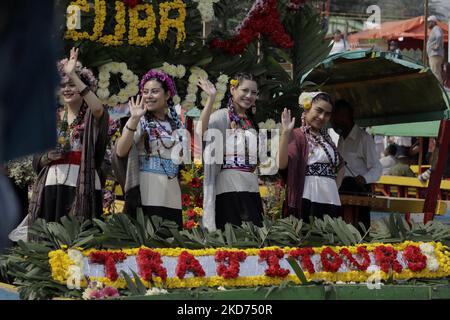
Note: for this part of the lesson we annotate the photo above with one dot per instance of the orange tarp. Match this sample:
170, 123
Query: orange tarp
392, 30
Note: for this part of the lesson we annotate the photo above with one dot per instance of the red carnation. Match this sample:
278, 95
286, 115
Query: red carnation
189, 224
185, 200
196, 183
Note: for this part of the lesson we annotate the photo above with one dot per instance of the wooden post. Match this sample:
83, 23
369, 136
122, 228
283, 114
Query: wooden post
434, 184
425, 37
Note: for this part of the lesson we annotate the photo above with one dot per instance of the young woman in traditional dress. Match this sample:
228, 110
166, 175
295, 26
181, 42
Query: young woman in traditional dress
309, 160
231, 190
68, 180
147, 155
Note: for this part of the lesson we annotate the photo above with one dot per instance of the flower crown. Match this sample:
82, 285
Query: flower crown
161, 76
234, 82
86, 75
306, 98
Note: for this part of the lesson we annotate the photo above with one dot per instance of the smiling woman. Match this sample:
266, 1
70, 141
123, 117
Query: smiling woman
312, 165
231, 191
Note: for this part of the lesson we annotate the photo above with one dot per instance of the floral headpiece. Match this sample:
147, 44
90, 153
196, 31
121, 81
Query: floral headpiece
306, 98
85, 74
234, 82
161, 76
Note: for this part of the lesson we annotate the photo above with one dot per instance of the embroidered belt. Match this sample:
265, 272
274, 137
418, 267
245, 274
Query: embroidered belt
158, 165
321, 170
73, 157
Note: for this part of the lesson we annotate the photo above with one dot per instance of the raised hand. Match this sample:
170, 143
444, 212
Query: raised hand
207, 87
287, 123
137, 109
69, 68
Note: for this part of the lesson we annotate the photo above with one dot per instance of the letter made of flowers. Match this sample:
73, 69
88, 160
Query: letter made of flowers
263, 19
136, 24
99, 22
109, 260
177, 23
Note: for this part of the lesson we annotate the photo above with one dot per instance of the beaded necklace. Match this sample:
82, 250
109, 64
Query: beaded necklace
153, 128
320, 140
66, 131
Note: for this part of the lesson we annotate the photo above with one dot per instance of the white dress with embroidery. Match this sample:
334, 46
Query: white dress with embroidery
320, 189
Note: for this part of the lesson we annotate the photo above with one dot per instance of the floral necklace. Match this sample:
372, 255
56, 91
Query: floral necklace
65, 131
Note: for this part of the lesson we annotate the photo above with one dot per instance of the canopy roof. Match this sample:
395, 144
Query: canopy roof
392, 30
413, 129
381, 88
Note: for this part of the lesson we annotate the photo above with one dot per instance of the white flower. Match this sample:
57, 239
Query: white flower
104, 76
191, 97
193, 79
432, 264
216, 105
128, 76
223, 78
176, 99
426, 248
155, 291
113, 100
262, 125
221, 288
132, 90
104, 84
103, 94
114, 67
270, 124
122, 96
221, 87
181, 71
87, 293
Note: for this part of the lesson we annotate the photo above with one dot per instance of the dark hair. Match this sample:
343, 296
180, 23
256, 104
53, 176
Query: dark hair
337, 31
324, 97
343, 105
392, 149
174, 121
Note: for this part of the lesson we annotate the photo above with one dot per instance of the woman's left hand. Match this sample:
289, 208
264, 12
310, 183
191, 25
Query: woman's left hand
69, 68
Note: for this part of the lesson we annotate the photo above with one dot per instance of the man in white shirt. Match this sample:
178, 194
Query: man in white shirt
362, 166
339, 43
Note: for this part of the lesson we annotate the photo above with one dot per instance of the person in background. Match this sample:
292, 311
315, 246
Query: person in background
394, 49
362, 165
389, 160
339, 43
402, 167
435, 47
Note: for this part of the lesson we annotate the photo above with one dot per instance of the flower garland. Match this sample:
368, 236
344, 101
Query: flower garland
21, 171
177, 23
232, 258
206, 9
97, 291
272, 257
187, 262
131, 80
149, 23
263, 18
60, 263
116, 39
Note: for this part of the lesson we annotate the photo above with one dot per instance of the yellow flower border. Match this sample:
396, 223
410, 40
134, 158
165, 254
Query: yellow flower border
60, 262
116, 39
